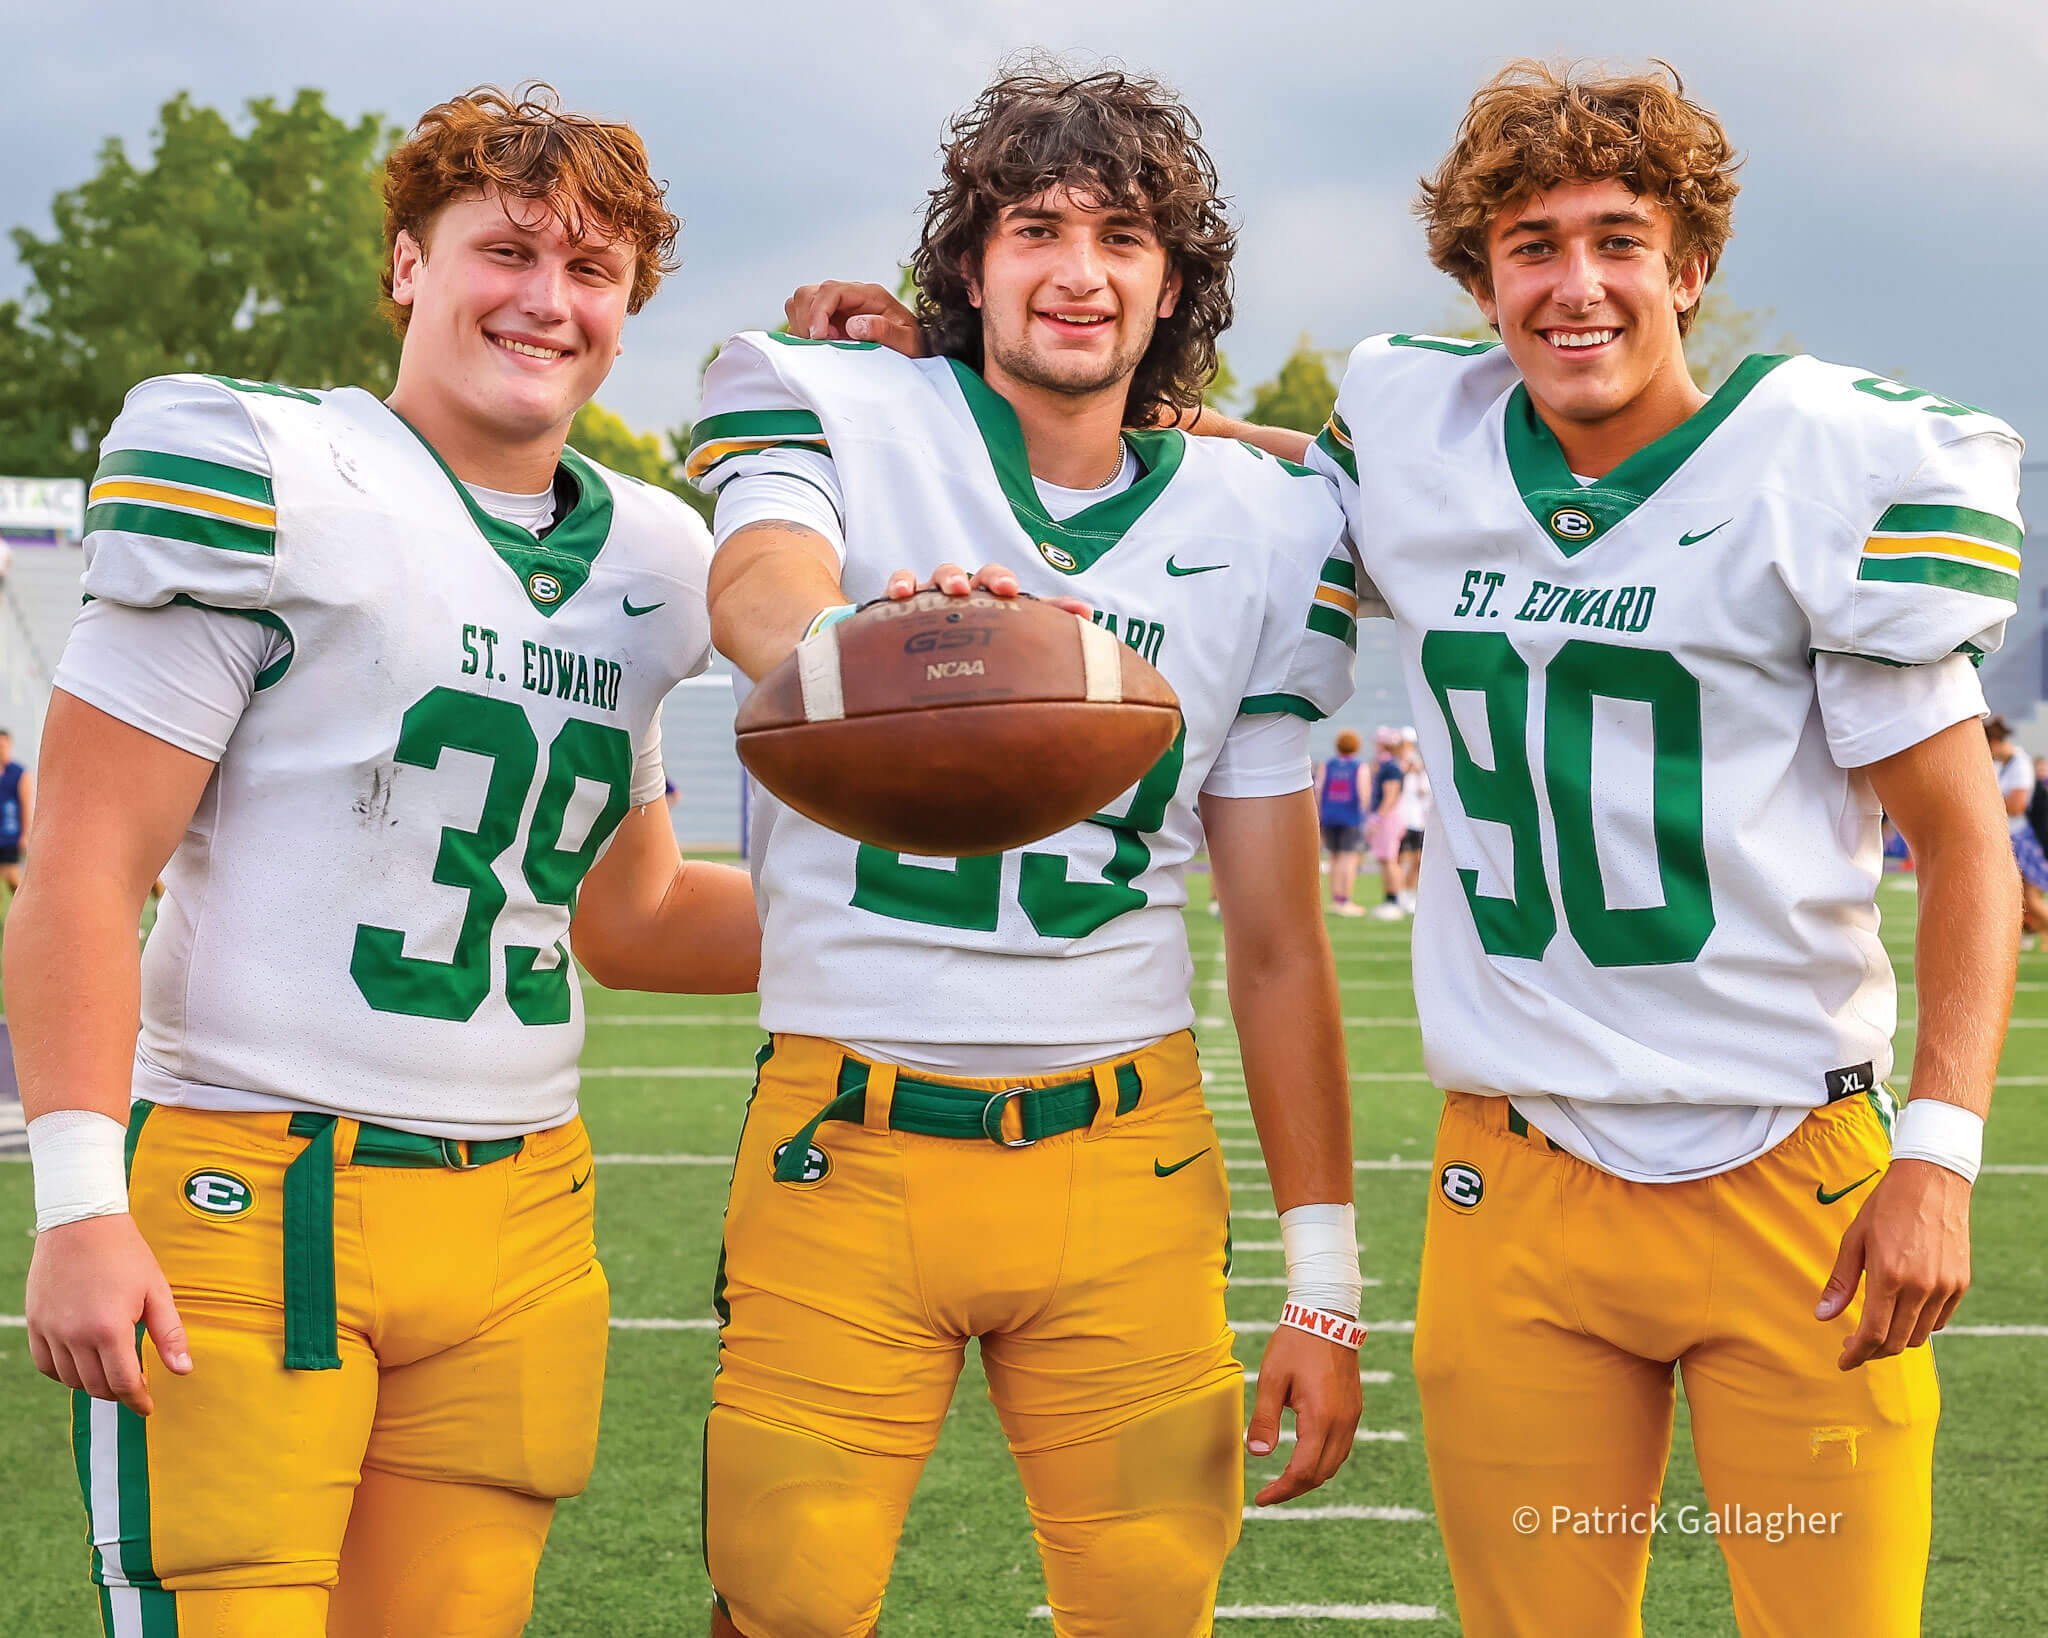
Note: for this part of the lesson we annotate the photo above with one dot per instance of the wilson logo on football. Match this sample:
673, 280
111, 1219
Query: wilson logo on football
1462, 1185
218, 1195
817, 1166
1571, 523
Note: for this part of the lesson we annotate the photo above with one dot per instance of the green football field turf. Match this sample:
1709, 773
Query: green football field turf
666, 1081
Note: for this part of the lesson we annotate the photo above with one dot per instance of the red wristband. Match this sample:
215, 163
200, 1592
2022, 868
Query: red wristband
1319, 1322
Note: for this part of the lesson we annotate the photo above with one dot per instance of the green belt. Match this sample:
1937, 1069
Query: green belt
309, 1322
1520, 1127
935, 1109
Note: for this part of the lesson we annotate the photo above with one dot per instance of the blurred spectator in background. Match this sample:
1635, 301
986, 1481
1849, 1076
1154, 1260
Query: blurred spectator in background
1383, 828
2037, 804
17, 801
1415, 811
2016, 784
1341, 809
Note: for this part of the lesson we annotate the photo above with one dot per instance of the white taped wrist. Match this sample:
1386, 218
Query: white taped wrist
826, 617
78, 1164
1321, 1246
1945, 1133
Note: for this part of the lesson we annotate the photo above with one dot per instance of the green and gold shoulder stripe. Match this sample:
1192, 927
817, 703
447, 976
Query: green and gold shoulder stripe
720, 438
180, 497
1335, 610
1335, 441
1953, 546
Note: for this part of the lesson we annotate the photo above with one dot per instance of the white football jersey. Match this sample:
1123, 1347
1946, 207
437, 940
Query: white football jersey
1650, 877
368, 913
1224, 567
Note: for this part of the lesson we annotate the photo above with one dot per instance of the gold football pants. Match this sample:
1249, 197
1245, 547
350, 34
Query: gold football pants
1556, 1300
1091, 1266
465, 1321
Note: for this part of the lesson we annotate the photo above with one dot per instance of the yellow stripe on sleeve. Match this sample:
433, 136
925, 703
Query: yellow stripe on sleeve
190, 500
1953, 546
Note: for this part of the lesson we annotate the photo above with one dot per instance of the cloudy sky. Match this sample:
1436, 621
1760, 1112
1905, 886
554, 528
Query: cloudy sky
1894, 212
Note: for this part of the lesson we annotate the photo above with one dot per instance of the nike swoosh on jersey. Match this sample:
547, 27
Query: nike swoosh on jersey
1168, 1171
1827, 1199
576, 1184
1694, 540
626, 603
1174, 568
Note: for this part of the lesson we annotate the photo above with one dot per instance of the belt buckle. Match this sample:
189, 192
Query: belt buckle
992, 1129
452, 1156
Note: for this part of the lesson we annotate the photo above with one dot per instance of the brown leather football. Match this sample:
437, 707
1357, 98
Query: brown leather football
956, 725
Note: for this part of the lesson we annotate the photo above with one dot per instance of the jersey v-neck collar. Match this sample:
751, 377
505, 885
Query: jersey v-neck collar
551, 566
1572, 515
1069, 544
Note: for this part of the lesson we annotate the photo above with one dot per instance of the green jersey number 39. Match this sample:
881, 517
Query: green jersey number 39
446, 719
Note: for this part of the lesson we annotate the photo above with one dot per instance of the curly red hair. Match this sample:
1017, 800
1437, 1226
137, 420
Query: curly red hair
592, 175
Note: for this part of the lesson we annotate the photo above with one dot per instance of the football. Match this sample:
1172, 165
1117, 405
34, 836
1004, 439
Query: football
956, 725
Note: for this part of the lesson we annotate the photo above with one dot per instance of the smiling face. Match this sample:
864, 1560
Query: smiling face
513, 326
1586, 298
1069, 294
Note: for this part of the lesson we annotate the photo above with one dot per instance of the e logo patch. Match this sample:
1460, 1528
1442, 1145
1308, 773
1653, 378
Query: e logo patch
817, 1166
1569, 523
1065, 562
543, 587
219, 1195
1462, 1185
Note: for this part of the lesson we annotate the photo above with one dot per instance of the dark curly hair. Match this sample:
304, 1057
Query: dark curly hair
1121, 139
1536, 124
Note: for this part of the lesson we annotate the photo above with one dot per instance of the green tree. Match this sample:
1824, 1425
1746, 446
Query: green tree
1300, 396
606, 439
1724, 335
1223, 385
252, 253
658, 460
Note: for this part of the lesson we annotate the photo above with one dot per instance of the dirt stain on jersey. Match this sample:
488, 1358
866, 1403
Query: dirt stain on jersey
373, 807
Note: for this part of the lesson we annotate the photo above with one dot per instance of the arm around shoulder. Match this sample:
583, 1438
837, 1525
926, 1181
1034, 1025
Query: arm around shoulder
649, 919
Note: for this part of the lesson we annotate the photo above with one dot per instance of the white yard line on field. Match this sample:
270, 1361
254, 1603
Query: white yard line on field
1371, 1379
1245, 1328
1364, 1436
1409, 1022
1395, 1164
1316, 1515
1276, 1279
1309, 1612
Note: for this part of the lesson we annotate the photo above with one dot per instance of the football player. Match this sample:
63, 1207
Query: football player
381, 681
980, 1114
1673, 654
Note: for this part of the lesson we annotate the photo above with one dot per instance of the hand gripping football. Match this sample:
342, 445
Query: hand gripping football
956, 725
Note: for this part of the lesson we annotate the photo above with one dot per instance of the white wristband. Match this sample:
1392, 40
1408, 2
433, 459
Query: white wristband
1338, 1328
1945, 1133
1321, 1246
826, 617
79, 1168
